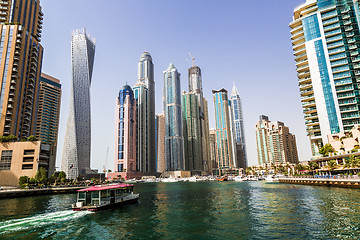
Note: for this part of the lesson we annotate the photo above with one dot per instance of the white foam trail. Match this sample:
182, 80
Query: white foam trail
40, 220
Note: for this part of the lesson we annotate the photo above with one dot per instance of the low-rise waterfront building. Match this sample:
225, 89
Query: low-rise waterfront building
345, 142
24, 159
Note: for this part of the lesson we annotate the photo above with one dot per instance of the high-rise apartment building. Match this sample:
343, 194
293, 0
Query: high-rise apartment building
223, 130
141, 94
326, 43
195, 88
212, 149
192, 132
238, 128
275, 144
145, 94
160, 142
207, 164
48, 109
174, 141
125, 130
20, 66
77, 145
195, 113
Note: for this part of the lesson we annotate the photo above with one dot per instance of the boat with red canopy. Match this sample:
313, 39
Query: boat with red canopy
103, 197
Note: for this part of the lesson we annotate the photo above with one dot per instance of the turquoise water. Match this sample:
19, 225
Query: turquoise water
202, 210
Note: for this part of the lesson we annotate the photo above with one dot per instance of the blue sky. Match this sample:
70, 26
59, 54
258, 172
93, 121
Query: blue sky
246, 42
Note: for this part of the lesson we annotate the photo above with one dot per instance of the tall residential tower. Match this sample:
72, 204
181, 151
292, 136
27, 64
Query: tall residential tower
144, 91
174, 141
196, 132
224, 141
20, 66
238, 128
275, 144
326, 43
77, 145
48, 109
125, 130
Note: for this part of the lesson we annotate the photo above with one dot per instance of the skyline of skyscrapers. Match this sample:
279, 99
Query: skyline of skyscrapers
77, 144
325, 39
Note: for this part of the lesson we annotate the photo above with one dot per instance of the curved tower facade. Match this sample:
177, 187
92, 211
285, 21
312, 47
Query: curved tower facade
174, 141
326, 43
77, 145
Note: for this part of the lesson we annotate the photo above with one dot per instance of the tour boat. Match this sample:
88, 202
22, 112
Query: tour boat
272, 178
252, 178
104, 196
238, 179
222, 179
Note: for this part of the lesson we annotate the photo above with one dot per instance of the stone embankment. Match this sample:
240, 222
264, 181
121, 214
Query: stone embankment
330, 182
14, 193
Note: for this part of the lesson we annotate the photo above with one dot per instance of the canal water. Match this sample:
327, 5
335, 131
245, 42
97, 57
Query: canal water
202, 210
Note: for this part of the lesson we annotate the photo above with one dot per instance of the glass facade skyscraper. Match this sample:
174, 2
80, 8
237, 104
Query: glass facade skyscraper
238, 128
125, 140
48, 109
77, 145
192, 133
326, 41
174, 142
224, 141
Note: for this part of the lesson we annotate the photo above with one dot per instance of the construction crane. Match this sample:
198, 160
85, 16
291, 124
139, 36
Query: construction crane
192, 60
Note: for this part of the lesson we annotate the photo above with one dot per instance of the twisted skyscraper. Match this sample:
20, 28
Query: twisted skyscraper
77, 146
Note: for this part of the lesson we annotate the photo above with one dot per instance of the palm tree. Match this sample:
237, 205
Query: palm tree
332, 164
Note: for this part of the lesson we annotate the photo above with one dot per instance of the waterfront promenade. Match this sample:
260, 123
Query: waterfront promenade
12, 193
330, 181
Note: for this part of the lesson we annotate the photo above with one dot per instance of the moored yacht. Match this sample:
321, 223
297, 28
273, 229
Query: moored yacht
104, 196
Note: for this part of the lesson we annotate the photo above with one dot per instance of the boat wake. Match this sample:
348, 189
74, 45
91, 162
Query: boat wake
39, 220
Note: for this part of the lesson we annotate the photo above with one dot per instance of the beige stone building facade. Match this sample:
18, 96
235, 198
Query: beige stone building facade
275, 144
160, 146
24, 159
345, 142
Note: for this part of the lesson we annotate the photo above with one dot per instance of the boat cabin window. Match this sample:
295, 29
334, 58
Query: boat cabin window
104, 194
81, 196
95, 197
